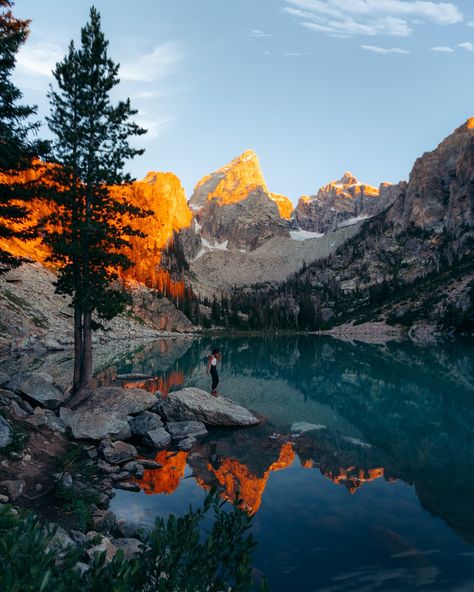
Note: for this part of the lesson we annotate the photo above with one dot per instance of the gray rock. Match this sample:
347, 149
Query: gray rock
103, 521
128, 486
119, 452
7, 398
13, 488
45, 417
196, 404
4, 378
106, 467
150, 464
104, 544
4, 499
52, 344
61, 540
187, 443
78, 537
144, 422
37, 386
158, 438
5, 433
129, 530
130, 547
18, 411
107, 412
135, 468
121, 476
186, 429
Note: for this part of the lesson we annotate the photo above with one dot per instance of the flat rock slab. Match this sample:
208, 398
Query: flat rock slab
37, 386
180, 430
195, 404
107, 412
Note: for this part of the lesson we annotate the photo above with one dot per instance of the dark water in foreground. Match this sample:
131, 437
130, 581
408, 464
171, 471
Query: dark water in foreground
362, 478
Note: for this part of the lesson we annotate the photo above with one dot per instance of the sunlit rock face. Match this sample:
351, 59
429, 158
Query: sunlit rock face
440, 192
160, 193
337, 203
234, 207
33, 249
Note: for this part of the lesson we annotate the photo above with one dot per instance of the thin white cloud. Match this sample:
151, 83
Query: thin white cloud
385, 50
153, 66
38, 59
153, 124
294, 54
470, 24
345, 18
468, 46
258, 34
393, 27
442, 49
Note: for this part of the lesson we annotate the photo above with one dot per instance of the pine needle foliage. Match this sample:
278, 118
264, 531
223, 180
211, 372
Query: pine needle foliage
19, 147
92, 223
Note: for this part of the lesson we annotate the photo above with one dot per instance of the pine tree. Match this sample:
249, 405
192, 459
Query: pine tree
18, 148
91, 226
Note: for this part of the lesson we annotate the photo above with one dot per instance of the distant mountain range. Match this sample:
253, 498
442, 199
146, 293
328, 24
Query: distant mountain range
354, 251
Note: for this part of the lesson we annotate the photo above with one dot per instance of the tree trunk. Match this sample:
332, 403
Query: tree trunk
86, 374
78, 349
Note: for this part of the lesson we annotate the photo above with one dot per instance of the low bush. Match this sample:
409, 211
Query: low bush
180, 555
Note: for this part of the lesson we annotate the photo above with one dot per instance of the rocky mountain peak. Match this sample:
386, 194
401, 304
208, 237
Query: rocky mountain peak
234, 182
231, 183
348, 179
341, 202
439, 194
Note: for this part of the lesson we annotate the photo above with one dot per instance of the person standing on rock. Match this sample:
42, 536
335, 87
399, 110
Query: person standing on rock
212, 370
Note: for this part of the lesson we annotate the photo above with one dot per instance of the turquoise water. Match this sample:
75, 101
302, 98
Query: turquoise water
361, 477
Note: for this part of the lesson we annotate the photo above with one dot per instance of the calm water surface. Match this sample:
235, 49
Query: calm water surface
362, 476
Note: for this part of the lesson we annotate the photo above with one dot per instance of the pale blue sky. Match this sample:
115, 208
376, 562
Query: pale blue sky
315, 87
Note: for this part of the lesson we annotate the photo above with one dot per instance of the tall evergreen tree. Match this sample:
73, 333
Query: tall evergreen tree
91, 226
18, 145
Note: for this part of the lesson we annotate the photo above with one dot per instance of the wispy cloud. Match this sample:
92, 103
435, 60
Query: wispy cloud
258, 34
385, 50
153, 124
442, 49
347, 18
153, 66
468, 46
470, 24
38, 59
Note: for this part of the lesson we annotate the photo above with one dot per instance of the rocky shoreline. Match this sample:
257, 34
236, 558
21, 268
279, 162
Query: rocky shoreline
51, 452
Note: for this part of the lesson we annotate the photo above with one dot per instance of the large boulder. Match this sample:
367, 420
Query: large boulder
195, 404
107, 412
37, 386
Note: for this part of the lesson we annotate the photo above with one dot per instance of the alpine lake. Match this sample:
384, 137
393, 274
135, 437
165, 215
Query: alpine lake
361, 476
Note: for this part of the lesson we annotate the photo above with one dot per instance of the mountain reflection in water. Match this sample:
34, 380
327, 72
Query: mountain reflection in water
381, 422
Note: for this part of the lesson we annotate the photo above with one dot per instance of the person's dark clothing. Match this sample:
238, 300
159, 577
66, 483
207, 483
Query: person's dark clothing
215, 377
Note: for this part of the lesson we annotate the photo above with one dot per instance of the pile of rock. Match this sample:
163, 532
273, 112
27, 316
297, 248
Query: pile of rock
114, 420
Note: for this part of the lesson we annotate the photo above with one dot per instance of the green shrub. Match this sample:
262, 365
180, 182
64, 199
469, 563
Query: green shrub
179, 556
